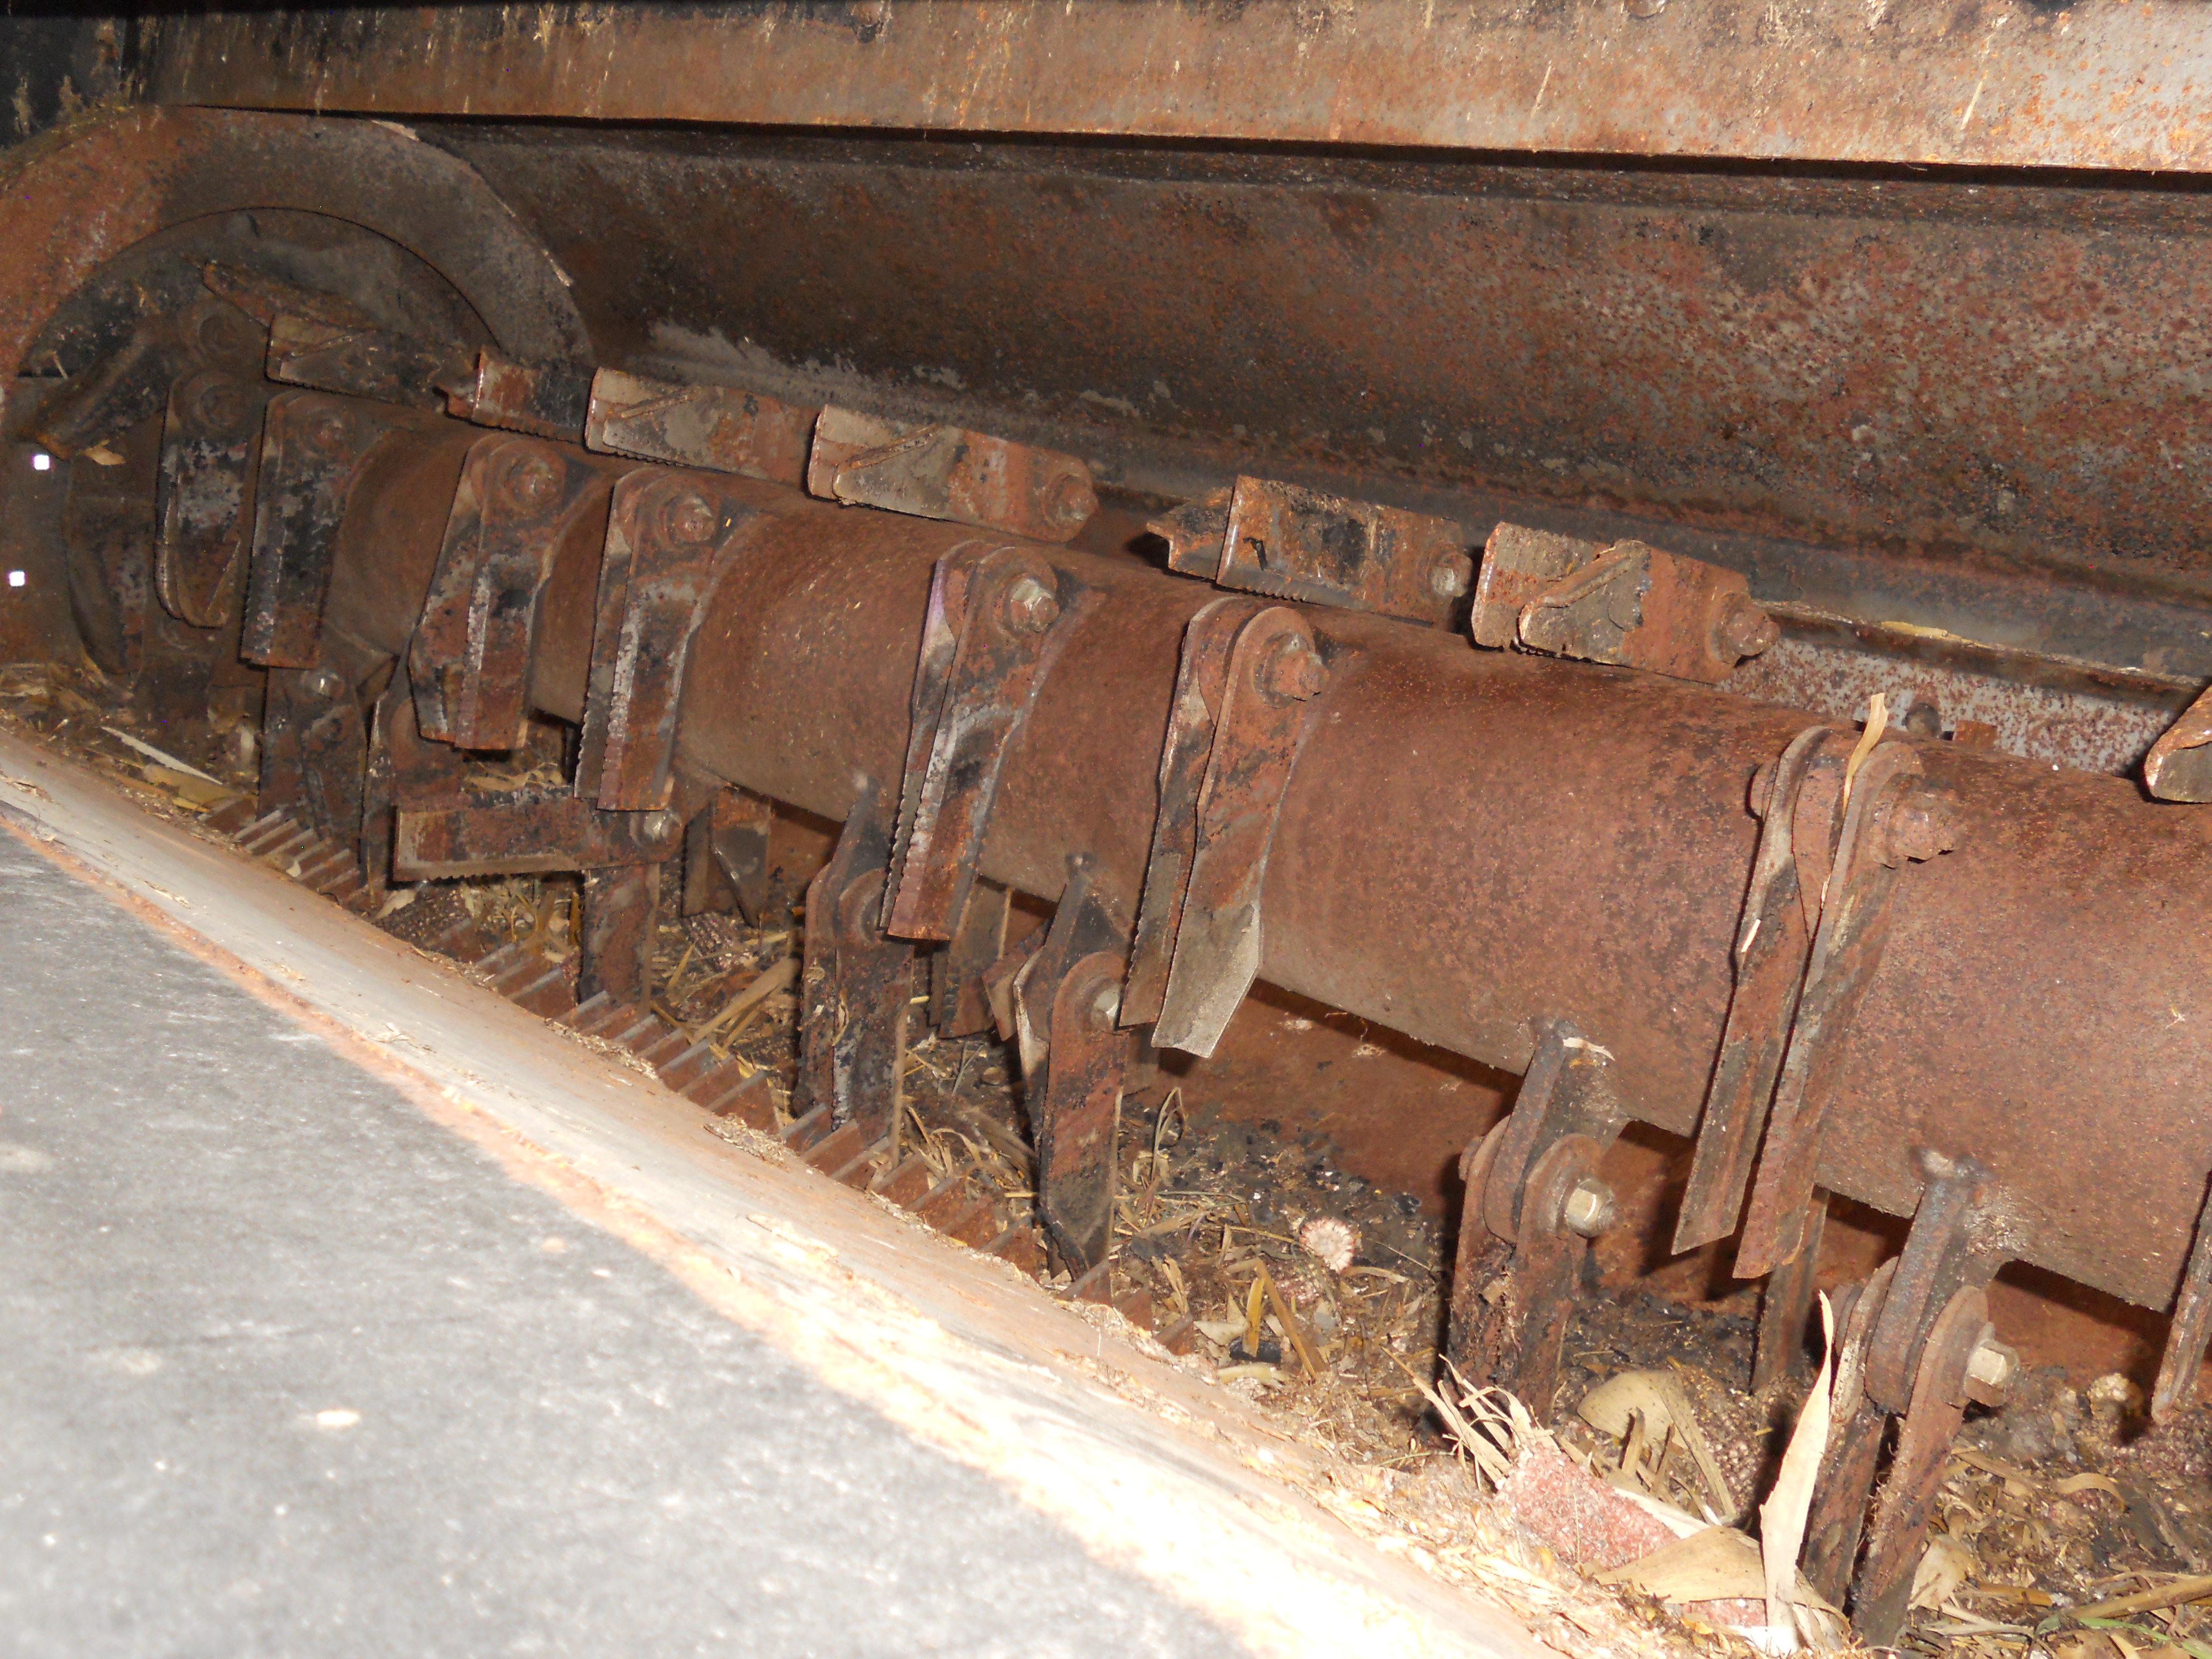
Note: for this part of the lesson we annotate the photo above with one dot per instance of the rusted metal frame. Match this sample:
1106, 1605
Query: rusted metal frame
1773, 942
944, 473
721, 428
855, 987
671, 538
1065, 1000
1854, 925
547, 400
726, 855
1202, 688
1196, 534
2101, 96
367, 362
313, 448
1278, 669
1292, 542
2191, 1334
469, 659
528, 832
1937, 1408
998, 619
1533, 1202
959, 1006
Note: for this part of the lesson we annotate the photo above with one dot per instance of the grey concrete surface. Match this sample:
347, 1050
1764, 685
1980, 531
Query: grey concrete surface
286, 1369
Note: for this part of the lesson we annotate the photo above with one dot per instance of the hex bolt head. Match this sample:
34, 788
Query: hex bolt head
225, 331
1450, 576
1292, 672
532, 483
658, 826
1589, 1208
1922, 825
1105, 1007
1069, 503
688, 519
1993, 1364
329, 432
324, 683
220, 405
1030, 607
1744, 628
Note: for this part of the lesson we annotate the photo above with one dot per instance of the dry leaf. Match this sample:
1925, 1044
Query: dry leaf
2074, 1483
1945, 1565
1713, 1565
1612, 1406
1782, 1516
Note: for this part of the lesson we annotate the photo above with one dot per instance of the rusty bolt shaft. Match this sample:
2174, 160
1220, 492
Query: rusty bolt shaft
1030, 607
1922, 825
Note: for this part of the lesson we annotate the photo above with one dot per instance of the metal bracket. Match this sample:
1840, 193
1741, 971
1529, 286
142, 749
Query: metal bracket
1298, 543
670, 539
366, 363
547, 400
1066, 998
210, 448
998, 620
210, 451
721, 428
528, 832
519, 501
312, 448
1292, 542
1209, 932
944, 473
959, 1004
726, 855
1628, 604
856, 986
1890, 817
1082, 1111
1914, 1341
2179, 764
1533, 1202
1797, 799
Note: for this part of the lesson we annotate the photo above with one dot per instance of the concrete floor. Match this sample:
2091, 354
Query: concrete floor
285, 1368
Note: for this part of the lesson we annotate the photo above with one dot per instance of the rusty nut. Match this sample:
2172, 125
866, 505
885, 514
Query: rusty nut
220, 406
1922, 825
1030, 607
1292, 672
1744, 628
1105, 1007
689, 519
1069, 503
329, 431
1451, 576
1589, 1209
1993, 1364
530, 482
324, 683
